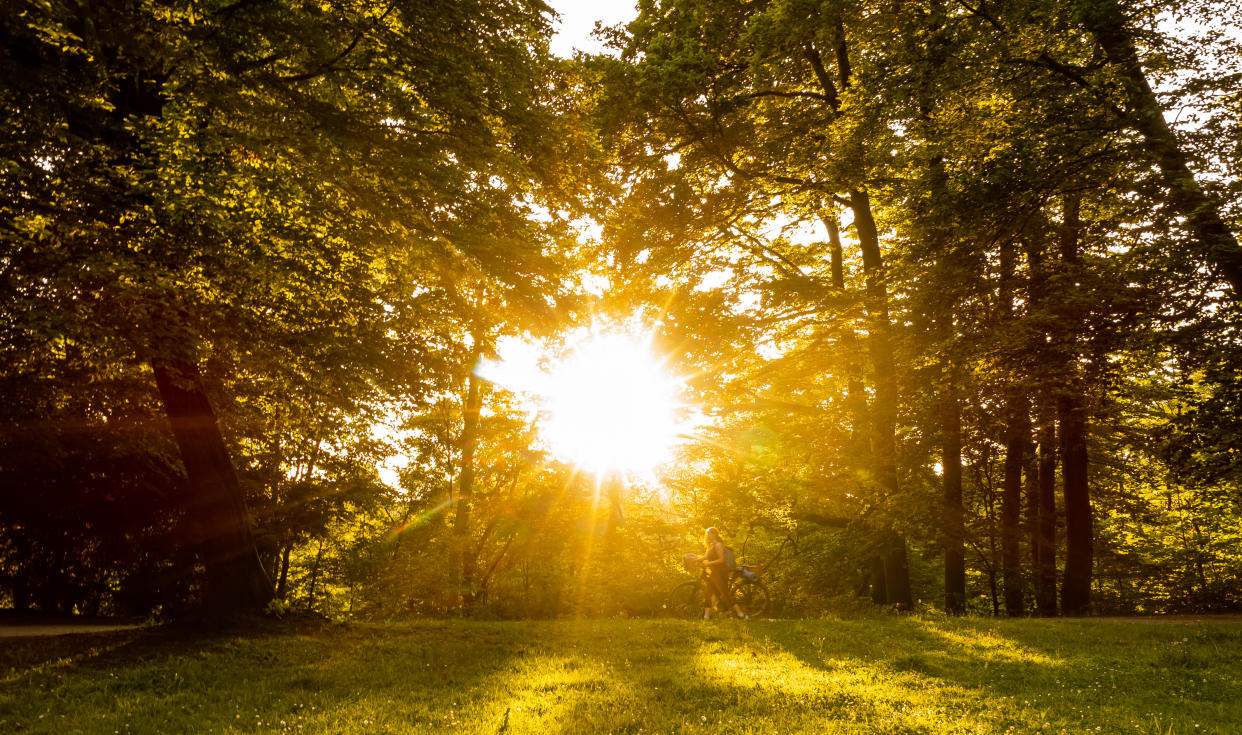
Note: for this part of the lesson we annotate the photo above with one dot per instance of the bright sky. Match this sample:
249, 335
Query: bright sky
578, 17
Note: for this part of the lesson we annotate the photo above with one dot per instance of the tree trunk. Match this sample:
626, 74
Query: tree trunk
883, 416
879, 591
1016, 433
1042, 515
1016, 440
21, 594
1030, 508
1046, 520
467, 557
855, 394
993, 546
282, 585
1217, 243
1072, 420
949, 414
884, 407
216, 507
1079, 551
954, 513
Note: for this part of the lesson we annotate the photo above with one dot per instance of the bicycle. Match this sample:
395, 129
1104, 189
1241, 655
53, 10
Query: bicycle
689, 599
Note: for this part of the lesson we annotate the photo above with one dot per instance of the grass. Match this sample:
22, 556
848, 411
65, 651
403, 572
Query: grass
873, 675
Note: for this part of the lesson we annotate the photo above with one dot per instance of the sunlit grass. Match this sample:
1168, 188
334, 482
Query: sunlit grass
871, 675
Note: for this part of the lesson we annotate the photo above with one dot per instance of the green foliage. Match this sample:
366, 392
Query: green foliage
290, 195
968, 128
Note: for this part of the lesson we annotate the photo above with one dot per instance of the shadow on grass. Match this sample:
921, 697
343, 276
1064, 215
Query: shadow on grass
333, 678
911, 645
884, 674
1017, 673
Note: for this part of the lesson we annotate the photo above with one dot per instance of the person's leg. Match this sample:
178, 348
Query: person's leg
720, 592
727, 601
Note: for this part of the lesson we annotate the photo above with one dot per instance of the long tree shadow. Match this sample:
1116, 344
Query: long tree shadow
868, 675
330, 678
1065, 673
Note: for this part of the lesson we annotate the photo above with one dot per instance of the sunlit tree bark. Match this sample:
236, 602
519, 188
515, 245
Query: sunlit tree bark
463, 548
884, 406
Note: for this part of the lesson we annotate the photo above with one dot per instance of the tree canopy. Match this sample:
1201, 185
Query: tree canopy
952, 287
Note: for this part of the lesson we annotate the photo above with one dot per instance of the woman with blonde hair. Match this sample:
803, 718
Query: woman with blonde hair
715, 560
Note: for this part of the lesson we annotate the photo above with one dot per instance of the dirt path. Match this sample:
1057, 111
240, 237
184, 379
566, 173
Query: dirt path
30, 631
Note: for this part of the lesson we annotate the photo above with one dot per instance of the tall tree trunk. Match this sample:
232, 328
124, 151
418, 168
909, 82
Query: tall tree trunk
993, 537
949, 411
883, 418
1079, 551
879, 590
23, 596
1079, 532
1072, 420
216, 507
855, 393
1017, 431
1043, 503
1218, 244
1030, 511
1046, 520
884, 407
932, 46
954, 513
467, 557
1016, 439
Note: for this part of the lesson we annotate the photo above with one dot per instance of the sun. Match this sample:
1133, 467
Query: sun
606, 403
611, 406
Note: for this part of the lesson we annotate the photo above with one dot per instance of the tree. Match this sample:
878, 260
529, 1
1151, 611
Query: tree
228, 180
711, 76
1215, 241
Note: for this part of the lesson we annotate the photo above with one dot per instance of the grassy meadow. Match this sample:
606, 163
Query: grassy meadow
883, 674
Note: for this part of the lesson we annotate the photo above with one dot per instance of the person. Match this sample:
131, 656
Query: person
713, 560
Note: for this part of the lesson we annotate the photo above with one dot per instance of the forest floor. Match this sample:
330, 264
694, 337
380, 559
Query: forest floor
882, 674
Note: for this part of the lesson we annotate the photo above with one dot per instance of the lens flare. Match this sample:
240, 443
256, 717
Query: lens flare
611, 406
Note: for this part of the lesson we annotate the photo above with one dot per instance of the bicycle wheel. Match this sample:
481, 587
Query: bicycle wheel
687, 601
751, 597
